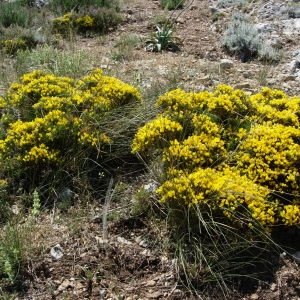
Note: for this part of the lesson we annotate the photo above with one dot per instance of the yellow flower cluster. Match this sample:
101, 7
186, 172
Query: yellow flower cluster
270, 156
70, 20
85, 22
274, 106
290, 214
195, 151
44, 115
63, 24
155, 133
229, 151
13, 45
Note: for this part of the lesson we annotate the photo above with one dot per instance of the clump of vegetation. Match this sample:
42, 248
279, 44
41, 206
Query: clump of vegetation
64, 6
242, 39
70, 63
229, 3
86, 21
13, 13
171, 4
16, 38
12, 46
51, 124
163, 39
230, 164
218, 154
125, 46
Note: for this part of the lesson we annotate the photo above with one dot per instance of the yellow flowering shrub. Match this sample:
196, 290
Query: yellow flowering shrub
11, 46
232, 152
47, 119
87, 20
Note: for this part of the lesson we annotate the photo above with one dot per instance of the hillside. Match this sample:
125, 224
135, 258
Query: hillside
133, 256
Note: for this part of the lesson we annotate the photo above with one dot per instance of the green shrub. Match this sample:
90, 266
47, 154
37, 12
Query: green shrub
242, 39
12, 46
15, 38
56, 125
12, 242
12, 13
171, 4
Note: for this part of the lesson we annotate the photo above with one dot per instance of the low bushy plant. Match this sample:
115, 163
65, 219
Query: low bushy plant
171, 4
12, 242
229, 152
15, 38
13, 13
242, 39
229, 3
86, 21
51, 123
64, 6
229, 175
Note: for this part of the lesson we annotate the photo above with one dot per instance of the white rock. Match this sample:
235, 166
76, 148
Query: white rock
226, 64
57, 252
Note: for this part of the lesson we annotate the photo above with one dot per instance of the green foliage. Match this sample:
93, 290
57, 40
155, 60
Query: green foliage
12, 13
171, 4
217, 16
4, 201
64, 6
11, 253
229, 153
57, 124
163, 39
36, 207
71, 63
242, 39
87, 20
125, 46
16, 38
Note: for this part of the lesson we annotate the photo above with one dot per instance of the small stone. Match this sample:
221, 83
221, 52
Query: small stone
154, 295
244, 85
57, 252
226, 64
143, 244
177, 294
254, 297
286, 78
205, 79
122, 240
150, 283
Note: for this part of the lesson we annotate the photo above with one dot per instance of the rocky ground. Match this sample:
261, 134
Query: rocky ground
134, 263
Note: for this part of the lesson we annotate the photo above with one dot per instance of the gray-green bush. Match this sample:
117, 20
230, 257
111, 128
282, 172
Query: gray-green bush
242, 39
